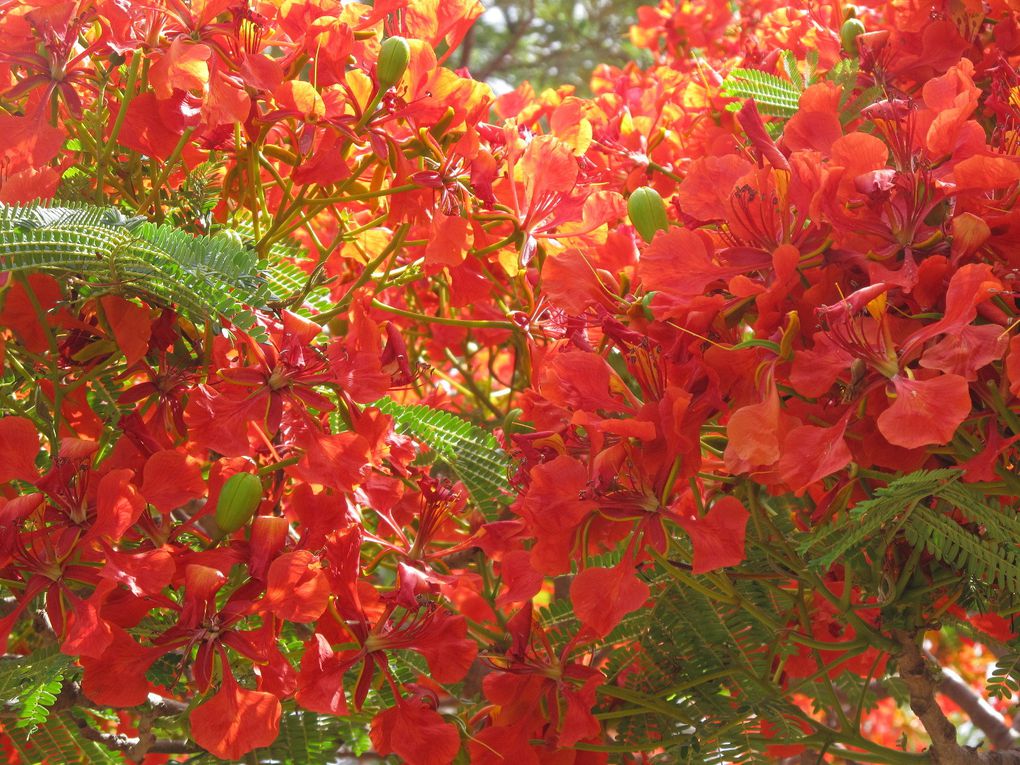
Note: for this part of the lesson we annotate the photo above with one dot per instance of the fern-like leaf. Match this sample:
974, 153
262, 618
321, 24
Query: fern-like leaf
773, 96
705, 674
29, 686
207, 278
59, 740
305, 738
791, 68
1004, 679
890, 502
471, 452
851, 105
288, 283
36, 702
983, 558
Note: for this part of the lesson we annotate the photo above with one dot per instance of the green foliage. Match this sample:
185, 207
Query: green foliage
702, 677
471, 453
844, 73
777, 97
193, 201
59, 740
37, 700
103, 398
850, 106
99, 251
353, 731
936, 512
1004, 679
29, 686
894, 501
288, 285
706, 674
773, 96
852, 99
305, 738
978, 555
301, 290
792, 69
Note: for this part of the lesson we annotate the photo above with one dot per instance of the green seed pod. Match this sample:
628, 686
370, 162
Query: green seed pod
647, 212
852, 28
239, 499
394, 55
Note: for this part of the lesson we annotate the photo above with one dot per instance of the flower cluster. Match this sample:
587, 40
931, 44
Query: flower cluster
809, 296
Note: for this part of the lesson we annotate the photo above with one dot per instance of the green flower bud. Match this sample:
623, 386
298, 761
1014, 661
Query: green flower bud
239, 499
647, 212
851, 30
394, 55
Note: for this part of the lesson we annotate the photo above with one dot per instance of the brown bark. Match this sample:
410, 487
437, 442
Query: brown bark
922, 679
137, 747
981, 713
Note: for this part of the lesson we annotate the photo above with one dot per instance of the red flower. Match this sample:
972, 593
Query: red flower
209, 627
55, 65
317, 686
718, 536
555, 506
116, 678
19, 446
235, 720
925, 412
416, 732
603, 596
296, 588
535, 689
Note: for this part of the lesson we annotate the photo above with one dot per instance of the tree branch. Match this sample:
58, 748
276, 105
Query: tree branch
135, 747
132, 744
164, 707
922, 680
516, 29
981, 713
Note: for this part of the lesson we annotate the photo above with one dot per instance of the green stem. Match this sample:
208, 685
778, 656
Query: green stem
671, 711
471, 323
627, 748
118, 123
267, 469
51, 342
367, 195
497, 245
168, 167
365, 277
660, 169
689, 580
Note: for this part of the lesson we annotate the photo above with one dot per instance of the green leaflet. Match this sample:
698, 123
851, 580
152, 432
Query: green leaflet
287, 281
773, 96
29, 686
921, 507
981, 556
890, 503
777, 97
59, 740
471, 452
306, 738
1004, 680
207, 278
706, 677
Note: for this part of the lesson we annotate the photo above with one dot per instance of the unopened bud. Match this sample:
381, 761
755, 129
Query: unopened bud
852, 28
647, 212
239, 499
394, 56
